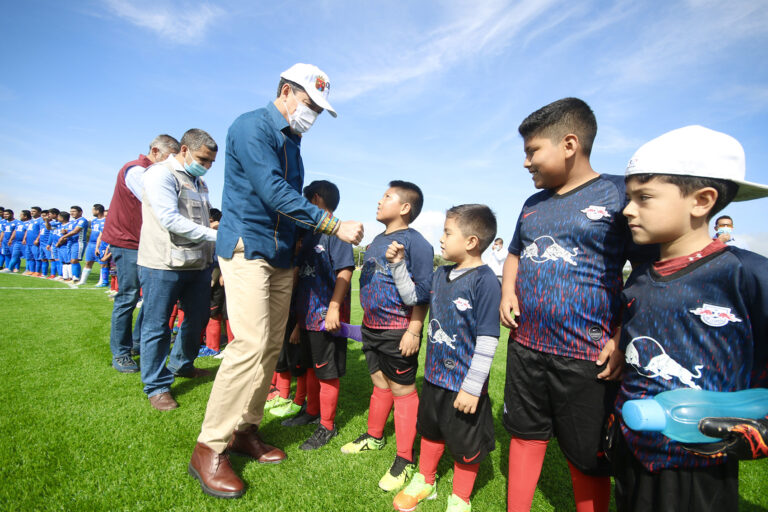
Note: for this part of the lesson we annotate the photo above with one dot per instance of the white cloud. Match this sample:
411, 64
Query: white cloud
481, 27
430, 224
180, 24
757, 242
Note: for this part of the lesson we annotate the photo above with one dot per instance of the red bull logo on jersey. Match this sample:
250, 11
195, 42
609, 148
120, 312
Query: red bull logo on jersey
649, 359
544, 248
596, 212
462, 304
319, 248
715, 316
436, 334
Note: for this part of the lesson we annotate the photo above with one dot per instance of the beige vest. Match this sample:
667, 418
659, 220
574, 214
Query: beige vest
163, 250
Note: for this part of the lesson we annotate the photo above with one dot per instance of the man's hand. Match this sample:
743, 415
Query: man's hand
724, 237
350, 231
294, 337
465, 402
409, 343
395, 252
214, 224
509, 304
613, 359
743, 438
332, 322
97, 251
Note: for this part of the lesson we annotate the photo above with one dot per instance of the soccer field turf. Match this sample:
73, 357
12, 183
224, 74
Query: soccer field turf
77, 435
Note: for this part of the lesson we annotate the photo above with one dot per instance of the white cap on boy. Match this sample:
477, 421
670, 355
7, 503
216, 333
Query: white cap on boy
696, 151
314, 81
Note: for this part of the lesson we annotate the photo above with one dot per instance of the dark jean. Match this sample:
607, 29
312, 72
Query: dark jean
122, 337
162, 289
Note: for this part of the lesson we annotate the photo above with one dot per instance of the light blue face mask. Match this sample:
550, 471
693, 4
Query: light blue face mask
194, 169
724, 230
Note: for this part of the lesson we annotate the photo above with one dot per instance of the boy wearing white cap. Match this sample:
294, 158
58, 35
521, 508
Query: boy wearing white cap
697, 318
261, 207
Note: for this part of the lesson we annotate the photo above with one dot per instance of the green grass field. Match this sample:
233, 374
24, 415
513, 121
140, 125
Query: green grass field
77, 435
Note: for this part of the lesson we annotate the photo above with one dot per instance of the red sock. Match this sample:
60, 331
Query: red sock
378, 411
313, 393
284, 384
329, 398
213, 334
464, 479
591, 493
406, 409
230, 334
274, 380
525, 460
430, 454
172, 320
301, 390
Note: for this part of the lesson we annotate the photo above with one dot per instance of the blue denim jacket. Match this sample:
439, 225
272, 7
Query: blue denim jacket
263, 178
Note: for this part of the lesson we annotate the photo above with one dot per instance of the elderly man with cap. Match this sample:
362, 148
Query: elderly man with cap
262, 206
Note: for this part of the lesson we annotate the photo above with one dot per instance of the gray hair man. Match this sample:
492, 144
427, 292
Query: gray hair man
175, 257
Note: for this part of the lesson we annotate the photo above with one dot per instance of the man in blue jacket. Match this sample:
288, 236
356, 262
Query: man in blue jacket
262, 206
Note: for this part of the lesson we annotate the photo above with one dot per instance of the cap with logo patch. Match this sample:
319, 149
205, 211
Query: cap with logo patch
314, 81
700, 152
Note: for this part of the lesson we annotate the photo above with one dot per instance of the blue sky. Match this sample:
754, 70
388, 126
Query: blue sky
430, 92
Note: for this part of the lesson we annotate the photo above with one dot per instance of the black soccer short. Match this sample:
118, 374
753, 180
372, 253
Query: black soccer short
382, 352
713, 488
329, 353
555, 396
469, 437
293, 357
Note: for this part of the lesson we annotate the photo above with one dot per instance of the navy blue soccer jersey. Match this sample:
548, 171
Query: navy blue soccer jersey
383, 308
320, 257
97, 225
460, 310
79, 238
702, 327
572, 249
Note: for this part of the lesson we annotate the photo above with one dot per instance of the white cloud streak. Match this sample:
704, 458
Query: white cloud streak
187, 25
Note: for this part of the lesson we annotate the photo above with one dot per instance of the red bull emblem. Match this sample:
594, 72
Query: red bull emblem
715, 316
321, 84
462, 304
596, 212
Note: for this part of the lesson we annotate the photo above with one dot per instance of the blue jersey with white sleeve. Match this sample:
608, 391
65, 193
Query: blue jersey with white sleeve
460, 310
79, 238
383, 308
319, 258
702, 327
572, 249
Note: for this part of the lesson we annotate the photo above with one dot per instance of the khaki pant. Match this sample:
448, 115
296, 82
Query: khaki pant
258, 298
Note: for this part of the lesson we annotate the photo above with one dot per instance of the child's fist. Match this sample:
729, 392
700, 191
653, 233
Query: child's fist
395, 252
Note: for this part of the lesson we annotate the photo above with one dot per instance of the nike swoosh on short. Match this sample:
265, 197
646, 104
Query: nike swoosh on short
468, 460
321, 365
402, 372
529, 213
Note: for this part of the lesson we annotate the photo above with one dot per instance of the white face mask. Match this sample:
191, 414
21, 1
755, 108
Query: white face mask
302, 118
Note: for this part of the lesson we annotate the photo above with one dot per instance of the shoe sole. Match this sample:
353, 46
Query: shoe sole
210, 492
430, 497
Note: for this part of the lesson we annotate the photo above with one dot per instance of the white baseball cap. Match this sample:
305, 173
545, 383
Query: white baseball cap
314, 81
696, 151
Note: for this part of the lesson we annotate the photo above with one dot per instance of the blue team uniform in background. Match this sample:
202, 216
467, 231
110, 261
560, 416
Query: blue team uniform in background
17, 249
4, 226
702, 327
97, 225
64, 248
33, 251
383, 308
77, 243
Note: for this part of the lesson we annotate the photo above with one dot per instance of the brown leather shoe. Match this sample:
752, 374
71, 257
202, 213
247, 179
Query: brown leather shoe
214, 473
248, 444
163, 401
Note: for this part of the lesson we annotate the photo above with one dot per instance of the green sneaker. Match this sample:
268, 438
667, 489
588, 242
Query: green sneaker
284, 411
456, 504
278, 401
399, 473
364, 443
414, 493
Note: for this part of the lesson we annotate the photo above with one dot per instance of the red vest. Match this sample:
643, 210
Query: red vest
123, 225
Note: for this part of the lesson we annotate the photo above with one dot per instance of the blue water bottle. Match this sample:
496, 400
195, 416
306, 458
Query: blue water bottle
676, 413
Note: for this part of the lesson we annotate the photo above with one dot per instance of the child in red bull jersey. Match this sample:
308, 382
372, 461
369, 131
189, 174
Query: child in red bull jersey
322, 302
392, 329
463, 333
697, 318
561, 288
